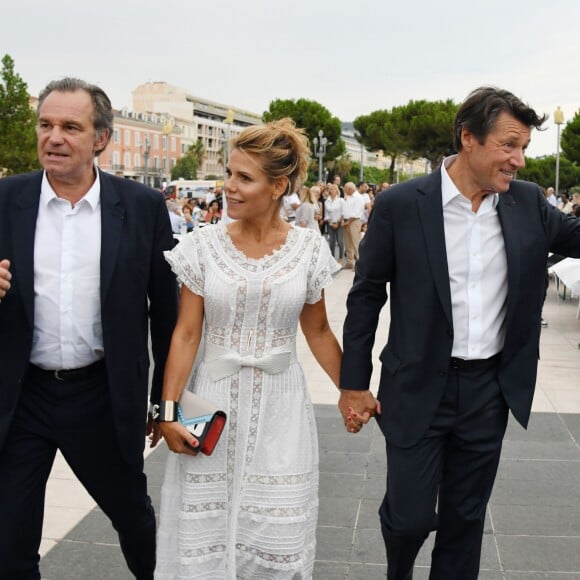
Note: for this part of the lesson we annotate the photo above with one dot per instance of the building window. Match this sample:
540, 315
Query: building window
172, 143
137, 160
127, 137
116, 136
156, 162
127, 160
155, 141
164, 142
173, 161
137, 139
116, 158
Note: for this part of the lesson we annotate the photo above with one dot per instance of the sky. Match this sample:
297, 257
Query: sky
352, 56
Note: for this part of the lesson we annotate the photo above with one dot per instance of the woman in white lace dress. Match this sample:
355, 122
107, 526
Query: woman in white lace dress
249, 510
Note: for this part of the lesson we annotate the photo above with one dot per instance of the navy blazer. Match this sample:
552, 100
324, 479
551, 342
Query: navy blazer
137, 287
405, 246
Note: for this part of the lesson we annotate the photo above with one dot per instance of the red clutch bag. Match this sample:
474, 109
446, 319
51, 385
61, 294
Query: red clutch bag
202, 419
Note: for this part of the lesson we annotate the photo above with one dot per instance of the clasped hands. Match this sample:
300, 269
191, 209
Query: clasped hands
5, 277
357, 408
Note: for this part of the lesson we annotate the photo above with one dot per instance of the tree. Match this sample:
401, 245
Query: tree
383, 130
570, 140
17, 123
312, 117
543, 172
430, 130
341, 166
187, 166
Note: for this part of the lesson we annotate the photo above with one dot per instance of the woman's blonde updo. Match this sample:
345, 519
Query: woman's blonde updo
282, 150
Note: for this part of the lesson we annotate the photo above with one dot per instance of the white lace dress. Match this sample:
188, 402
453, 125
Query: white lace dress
249, 510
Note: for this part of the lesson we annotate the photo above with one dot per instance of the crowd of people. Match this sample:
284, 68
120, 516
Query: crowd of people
92, 279
185, 214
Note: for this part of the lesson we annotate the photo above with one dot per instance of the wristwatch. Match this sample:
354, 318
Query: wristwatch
165, 411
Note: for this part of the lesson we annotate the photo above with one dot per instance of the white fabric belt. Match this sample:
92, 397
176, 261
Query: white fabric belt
223, 362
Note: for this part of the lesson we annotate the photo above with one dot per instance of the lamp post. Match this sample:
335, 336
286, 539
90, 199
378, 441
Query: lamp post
167, 130
228, 121
559, 120
320, 143
146, 152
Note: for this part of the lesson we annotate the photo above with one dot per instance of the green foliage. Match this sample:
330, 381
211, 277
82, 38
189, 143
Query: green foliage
312, 117
342, 166
543, 172
187, 166
570, 140
430, 131
17, 123
381, 130
418, 129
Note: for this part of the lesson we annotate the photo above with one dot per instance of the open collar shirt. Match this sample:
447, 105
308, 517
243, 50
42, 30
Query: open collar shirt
67, 332
477, 266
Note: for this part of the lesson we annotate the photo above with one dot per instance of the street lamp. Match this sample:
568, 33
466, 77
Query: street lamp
146, 152
167, 130
226, 136
559, 120
320, 143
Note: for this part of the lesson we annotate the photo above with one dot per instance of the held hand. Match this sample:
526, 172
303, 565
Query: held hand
178, 438
5, 277
153, 431
357, 408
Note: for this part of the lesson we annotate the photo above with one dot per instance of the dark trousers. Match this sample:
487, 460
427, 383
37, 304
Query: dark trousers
444, 482
75, 417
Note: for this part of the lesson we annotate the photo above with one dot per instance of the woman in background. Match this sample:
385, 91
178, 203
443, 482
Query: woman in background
307, 211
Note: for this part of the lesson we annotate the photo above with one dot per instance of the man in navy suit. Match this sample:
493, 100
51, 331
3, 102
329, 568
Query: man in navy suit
82, 276
464, 251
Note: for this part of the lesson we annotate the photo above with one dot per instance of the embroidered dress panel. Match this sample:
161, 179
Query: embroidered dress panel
249, 510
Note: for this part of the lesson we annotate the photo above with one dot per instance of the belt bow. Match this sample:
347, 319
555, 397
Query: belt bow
222, 362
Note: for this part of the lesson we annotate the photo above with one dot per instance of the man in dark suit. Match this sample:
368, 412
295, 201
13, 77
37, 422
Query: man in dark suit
464, 250
82, 275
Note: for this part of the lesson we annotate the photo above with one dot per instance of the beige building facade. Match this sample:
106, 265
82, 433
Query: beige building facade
196, 119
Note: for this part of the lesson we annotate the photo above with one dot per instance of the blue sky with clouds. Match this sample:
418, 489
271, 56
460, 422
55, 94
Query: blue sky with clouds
352, 56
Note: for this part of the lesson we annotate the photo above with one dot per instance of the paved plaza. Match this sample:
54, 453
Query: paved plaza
533, 522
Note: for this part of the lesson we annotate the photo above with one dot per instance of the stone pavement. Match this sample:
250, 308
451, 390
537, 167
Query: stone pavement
533, 523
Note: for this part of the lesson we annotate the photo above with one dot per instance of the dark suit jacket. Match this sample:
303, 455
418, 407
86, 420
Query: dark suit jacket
136, 286
405, 245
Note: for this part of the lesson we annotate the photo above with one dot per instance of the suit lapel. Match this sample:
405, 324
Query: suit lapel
24, 215
112, 217
431, 215
508, 217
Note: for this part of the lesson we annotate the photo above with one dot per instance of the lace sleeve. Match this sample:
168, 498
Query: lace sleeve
187, 264
322, 268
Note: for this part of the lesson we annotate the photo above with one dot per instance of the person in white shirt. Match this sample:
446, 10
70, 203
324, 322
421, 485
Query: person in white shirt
290, 204
354, 208
83, 252
363, 189
551, 197
462, 254
333, 216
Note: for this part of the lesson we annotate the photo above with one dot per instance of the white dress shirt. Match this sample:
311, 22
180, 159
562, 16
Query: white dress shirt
67, 279
477, 271
333, 210
354, 206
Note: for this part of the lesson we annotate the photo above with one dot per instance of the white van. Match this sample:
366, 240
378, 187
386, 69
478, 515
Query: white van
191, 188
